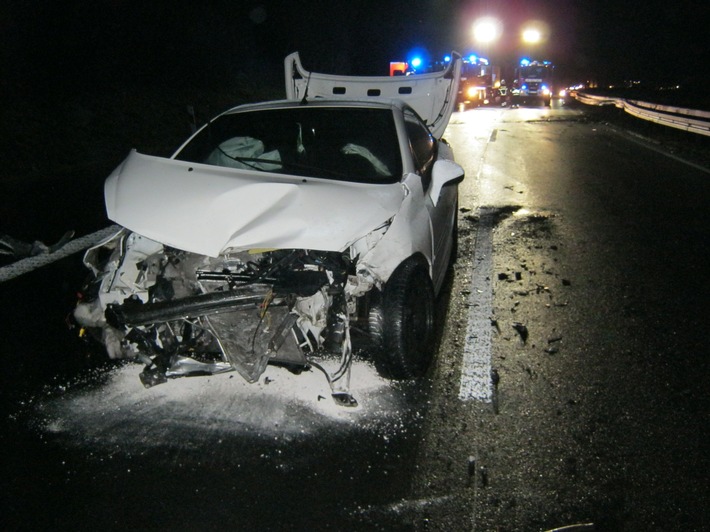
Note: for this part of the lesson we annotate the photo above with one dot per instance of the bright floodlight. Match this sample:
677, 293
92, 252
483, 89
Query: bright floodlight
532, 35
486, 30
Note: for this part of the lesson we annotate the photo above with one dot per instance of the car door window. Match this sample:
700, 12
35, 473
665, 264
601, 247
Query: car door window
422, 144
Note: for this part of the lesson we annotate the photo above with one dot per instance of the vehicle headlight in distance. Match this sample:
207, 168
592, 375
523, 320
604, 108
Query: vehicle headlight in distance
471, 92
545, 90
563, 93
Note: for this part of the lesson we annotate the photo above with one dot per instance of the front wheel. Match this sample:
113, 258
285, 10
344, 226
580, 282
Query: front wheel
407, 344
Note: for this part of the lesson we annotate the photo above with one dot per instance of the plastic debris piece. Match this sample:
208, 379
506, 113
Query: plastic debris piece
522, 330
152, 376
344, 399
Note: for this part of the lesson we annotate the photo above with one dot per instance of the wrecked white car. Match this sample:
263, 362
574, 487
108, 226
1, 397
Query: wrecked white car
281, 231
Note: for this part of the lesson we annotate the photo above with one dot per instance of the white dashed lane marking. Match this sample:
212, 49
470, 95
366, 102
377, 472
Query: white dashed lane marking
476, 366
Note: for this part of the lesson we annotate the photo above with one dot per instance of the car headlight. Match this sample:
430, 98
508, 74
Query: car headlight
471, 92
545, 90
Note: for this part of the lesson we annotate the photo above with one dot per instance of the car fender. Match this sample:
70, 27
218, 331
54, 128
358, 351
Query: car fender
410, 233
445, 172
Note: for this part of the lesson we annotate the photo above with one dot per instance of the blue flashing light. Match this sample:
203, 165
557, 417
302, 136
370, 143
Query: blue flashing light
524, 62
472, 58
524, 87
416, 62
447, 59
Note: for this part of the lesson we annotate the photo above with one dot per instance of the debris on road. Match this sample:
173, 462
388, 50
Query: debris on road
541, 288
495, 379
522, 330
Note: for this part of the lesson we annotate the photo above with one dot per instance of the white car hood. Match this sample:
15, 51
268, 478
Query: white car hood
207, 209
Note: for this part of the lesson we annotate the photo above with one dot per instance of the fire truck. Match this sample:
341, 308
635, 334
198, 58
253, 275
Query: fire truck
479, 82
533, 82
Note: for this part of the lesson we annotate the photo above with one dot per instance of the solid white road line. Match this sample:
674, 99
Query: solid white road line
73, 246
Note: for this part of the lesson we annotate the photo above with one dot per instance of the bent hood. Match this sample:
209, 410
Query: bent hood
207, 209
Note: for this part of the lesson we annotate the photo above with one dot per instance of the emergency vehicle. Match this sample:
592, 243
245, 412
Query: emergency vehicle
534, 82
480, 82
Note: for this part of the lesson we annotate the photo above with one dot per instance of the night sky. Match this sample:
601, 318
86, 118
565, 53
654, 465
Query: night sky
63, 44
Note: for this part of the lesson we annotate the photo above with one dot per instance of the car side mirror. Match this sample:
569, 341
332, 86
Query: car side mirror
445, 172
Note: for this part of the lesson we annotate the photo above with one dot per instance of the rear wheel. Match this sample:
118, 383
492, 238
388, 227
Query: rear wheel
455, 237
407, 323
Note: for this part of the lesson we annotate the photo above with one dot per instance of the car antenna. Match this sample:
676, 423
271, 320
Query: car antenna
305, 94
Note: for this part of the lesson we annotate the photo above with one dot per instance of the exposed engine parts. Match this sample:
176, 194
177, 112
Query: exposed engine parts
186, 314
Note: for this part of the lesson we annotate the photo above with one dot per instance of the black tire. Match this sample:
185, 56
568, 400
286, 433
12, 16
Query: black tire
375, 320
455, 238
407, 323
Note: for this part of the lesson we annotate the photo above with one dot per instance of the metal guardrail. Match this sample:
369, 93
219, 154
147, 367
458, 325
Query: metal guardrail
29, 264
676, 117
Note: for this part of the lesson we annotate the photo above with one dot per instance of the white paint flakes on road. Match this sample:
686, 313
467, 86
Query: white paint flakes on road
476, 366
30, 264
122, 412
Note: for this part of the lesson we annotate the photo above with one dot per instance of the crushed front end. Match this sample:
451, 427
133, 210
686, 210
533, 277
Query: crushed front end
182, 313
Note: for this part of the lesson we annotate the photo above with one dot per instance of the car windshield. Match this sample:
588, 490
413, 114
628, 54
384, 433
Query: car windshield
342, 143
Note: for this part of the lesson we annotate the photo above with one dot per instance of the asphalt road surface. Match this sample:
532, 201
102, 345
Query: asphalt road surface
571, 381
